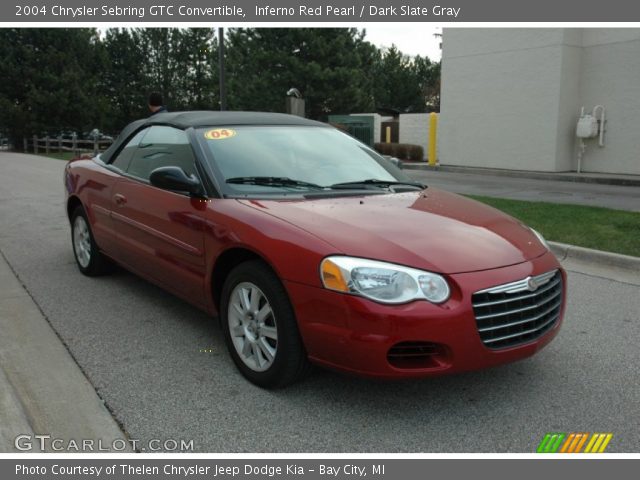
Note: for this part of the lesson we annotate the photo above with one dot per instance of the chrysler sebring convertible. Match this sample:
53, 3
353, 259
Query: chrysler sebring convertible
310, 248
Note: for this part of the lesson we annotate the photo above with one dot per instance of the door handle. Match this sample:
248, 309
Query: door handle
120, 199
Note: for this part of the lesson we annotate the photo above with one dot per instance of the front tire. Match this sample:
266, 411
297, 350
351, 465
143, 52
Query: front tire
89, 258
260, 327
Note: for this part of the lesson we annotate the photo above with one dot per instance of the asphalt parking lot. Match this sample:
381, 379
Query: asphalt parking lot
577, 193
162, 368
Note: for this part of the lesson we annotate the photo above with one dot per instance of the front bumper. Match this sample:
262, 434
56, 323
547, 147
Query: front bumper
356, 335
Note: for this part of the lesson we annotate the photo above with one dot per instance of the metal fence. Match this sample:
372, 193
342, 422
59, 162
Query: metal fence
359, 126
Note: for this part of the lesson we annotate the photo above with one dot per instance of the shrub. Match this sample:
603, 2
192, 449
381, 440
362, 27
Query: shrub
416, 153
383, 148
403, 151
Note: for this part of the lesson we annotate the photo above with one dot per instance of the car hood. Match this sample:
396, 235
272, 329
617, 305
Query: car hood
432, 230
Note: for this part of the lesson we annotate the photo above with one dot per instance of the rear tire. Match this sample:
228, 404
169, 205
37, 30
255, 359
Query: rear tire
260, 327
89, 258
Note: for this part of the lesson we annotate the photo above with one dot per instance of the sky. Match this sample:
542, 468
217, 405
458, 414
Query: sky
411, 39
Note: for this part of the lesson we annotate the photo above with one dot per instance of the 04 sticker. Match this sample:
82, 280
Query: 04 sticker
219, 134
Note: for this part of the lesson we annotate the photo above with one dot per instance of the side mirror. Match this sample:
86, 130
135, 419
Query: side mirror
397, 162
393, 160
174, 178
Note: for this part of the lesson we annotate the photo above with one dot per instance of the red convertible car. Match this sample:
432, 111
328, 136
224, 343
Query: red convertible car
312, 248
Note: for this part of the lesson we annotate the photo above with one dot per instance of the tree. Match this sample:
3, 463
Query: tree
56, 80
196, 87
428, 74
179, 63
327, 65
397, 82
124, 83
161, 66
49, 81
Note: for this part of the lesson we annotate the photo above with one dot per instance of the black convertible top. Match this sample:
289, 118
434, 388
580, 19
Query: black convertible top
184, 120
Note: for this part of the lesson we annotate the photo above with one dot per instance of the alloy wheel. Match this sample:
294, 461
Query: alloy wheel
82, 241
252, 326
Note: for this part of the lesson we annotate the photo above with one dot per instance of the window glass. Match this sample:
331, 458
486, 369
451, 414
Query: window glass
322, 156
162, 147
124, 157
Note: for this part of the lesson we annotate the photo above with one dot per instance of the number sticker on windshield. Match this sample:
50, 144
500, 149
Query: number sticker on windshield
219, 134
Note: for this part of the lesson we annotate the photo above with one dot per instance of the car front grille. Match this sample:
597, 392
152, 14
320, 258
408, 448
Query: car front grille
518, 312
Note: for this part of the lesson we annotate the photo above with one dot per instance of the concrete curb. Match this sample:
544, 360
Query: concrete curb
621, 180
604, 259
43, 391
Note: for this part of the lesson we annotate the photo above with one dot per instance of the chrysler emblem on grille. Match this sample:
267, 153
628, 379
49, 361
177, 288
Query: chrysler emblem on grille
532, 284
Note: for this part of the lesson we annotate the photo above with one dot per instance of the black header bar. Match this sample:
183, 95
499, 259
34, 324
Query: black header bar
303, 11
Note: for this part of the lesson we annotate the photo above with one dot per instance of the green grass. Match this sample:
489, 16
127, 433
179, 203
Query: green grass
58, 155
591, 227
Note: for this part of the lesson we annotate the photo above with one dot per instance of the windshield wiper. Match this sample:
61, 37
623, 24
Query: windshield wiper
375, 182
274, 182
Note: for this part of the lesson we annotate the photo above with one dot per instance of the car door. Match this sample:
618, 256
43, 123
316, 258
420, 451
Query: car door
160, 233
98, 195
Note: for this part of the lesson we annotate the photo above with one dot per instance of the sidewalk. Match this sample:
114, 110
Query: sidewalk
598, 178
533, 186
42, 389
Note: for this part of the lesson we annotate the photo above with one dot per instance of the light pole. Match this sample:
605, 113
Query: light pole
223, 92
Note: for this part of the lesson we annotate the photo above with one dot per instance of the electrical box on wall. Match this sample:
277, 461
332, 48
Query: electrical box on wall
590, 126
587, 126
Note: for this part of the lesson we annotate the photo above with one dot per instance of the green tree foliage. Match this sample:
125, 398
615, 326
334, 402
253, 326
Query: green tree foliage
49, 80
428, 76
123, 80
196, 87
60, 80
406, 84
180, 64
162, 67
329, 66
395, 84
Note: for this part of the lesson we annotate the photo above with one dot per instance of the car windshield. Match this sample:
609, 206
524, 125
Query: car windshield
295, 159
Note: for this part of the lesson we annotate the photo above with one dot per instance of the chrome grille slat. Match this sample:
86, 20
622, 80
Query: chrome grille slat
506, 337
519, 310
520, 285
506, 316
512, 324
522, 297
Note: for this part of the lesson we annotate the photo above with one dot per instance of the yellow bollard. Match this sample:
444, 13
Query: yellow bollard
433, 128
388, 134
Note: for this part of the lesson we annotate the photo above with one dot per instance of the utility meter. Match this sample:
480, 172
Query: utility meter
587, 126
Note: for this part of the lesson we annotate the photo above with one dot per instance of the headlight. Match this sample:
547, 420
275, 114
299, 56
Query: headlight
541, 238
382, 282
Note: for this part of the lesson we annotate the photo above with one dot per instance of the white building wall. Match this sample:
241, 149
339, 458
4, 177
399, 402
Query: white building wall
511, 97
499, 99
611, 77
414, 129
568, 102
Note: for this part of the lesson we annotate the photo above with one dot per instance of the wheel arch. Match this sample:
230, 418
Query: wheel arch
225, 263
73, 202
